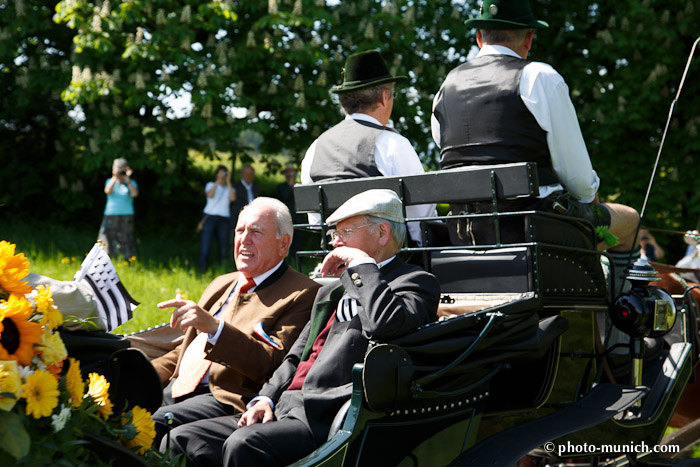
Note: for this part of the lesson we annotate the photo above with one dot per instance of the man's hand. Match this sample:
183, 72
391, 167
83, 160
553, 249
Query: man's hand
337, 260
187, 313
260, 412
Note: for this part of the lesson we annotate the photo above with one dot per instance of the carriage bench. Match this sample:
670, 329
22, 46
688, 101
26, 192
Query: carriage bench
513, 252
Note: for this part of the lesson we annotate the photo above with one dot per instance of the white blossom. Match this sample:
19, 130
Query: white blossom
58, 421
301, 101
186, 15
117, 133
19, 8
96, 25
369, 32
207, 110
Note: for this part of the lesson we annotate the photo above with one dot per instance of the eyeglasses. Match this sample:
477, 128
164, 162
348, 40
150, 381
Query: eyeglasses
342, 233
394, 93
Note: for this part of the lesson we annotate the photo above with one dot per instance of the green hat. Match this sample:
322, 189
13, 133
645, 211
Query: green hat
506, 14
365, 69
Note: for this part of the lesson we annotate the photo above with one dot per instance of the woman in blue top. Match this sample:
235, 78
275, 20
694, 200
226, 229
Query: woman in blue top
220, 194
117, 230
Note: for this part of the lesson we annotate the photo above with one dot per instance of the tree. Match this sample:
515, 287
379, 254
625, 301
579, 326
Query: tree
267, 66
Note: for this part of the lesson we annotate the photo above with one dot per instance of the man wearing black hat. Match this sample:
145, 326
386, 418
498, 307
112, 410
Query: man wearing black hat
501, 108
362, 145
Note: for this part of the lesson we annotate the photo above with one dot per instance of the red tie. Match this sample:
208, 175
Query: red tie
191, 374
304, 367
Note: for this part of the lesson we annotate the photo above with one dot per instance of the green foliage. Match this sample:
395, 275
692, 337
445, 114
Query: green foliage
267, 65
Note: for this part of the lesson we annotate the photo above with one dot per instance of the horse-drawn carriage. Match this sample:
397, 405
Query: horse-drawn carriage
531, 354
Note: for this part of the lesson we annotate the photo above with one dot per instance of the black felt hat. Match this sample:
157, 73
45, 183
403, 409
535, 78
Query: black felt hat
365, 69
506, 14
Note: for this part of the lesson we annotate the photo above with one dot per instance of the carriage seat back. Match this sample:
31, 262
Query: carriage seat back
556, 274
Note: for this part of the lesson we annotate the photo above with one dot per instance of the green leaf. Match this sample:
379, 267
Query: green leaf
13, 436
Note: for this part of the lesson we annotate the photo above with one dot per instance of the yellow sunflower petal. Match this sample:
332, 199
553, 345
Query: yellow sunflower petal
141, 419
13, 268
74, 382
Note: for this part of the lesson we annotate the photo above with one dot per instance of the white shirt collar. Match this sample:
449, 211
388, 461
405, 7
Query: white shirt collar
497, 50
258, 279
365, 117
385, 262
246, 184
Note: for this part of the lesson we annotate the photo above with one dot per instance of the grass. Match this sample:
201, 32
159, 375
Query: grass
165, 268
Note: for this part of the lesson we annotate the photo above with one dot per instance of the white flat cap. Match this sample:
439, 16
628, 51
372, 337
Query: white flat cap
378, 203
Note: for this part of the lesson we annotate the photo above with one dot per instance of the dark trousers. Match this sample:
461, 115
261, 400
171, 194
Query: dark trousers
186, 410
219, 442
214, 227
117, 232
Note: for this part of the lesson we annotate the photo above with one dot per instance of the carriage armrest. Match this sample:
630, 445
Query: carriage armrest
460, 185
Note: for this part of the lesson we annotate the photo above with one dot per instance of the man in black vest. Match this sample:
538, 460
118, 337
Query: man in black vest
361, 145
501, 108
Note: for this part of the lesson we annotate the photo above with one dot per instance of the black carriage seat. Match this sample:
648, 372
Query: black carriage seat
440, 375
525, 251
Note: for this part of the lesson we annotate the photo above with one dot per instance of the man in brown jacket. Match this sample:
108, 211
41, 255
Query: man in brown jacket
242, 327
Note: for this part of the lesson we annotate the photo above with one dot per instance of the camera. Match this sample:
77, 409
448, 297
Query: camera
122, 172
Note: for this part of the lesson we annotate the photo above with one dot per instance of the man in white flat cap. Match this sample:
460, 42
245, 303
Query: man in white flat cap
377, 297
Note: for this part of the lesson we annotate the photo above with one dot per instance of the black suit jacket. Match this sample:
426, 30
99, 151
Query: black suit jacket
241, 199
393, 301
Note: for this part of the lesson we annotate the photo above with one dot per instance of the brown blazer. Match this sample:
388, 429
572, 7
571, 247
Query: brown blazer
242, 361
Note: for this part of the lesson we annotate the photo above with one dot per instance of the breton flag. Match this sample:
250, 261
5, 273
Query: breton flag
114, 304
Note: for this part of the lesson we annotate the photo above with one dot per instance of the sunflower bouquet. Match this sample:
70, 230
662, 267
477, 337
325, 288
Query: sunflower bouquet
47, 409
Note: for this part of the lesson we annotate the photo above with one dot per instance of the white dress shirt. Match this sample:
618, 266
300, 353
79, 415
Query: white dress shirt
394, 155
546, 96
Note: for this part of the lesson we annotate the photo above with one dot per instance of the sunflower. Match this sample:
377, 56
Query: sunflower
74, 382
98, 389
41, 392
141, 420
13, 268
10, 383
50, 316
18, 335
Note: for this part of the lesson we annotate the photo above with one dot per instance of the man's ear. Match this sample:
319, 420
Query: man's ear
384, 233
285, 241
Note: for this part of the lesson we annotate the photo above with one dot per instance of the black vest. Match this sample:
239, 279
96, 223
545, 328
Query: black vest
483, 120
346, 151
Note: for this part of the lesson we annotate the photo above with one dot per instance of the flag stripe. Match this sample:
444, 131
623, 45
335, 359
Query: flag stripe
101, 304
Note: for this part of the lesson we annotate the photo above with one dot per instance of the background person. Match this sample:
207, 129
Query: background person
651, 251
246, 191
223, 356
117, 229
217, 216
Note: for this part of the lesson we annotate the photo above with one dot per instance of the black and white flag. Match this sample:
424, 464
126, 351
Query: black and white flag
114, 304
